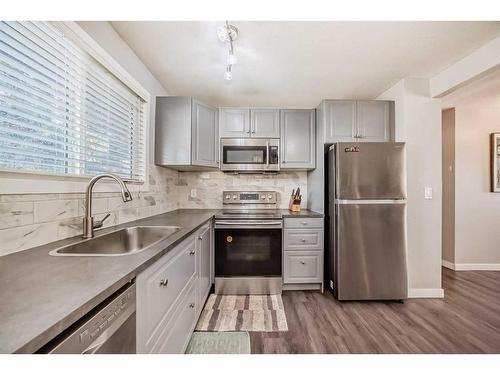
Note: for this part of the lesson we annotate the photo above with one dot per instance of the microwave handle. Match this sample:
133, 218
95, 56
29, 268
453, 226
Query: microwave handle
267, 154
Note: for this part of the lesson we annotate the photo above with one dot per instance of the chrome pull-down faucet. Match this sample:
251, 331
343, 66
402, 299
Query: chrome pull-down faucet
88, 220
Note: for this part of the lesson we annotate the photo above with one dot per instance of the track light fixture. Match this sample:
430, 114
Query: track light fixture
228, 34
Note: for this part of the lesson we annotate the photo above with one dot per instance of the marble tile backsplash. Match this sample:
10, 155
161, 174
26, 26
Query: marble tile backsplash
28, 220
210, 185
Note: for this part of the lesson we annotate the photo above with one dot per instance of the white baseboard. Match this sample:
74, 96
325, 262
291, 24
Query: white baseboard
477, 266
426, 293
447, 264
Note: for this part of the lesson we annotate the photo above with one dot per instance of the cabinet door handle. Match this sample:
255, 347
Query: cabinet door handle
191, 305
192, 252
302, 262
303, 239
200, 238
304, 223
163, 282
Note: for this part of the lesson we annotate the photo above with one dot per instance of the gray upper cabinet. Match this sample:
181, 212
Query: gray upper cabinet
297, 138
265, 123
186, 134
234, 122
357, 121
340, 123
249, 123
373, 121
205, 139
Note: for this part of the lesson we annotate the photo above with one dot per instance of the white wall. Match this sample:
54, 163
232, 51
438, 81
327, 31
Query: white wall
418, 123
477, 210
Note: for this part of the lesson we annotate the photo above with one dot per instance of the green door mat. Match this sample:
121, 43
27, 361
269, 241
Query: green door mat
219, 343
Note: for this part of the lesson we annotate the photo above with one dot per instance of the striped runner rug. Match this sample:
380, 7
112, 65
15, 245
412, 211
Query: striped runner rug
257, 313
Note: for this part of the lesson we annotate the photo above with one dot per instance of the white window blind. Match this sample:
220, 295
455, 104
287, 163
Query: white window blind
61, 111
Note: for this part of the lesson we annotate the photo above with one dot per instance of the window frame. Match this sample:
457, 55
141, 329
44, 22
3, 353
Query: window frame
34, 182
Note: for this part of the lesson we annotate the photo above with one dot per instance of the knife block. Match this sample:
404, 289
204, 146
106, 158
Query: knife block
293, 205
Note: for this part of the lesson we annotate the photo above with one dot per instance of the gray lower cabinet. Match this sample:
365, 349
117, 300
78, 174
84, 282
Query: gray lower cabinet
303, 253
356, 121
186, 134
171, 293
297, 139
234, 122
303, 239
204, 251
303, 267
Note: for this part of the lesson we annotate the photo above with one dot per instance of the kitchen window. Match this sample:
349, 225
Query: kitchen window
63, 112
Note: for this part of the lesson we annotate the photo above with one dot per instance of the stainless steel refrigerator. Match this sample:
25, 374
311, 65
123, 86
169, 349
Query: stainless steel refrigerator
366, 257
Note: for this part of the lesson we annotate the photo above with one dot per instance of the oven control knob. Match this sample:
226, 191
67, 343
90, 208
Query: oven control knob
228, 196
270, 196
263, 197
235, 196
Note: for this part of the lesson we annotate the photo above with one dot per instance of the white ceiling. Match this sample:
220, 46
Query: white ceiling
296, 64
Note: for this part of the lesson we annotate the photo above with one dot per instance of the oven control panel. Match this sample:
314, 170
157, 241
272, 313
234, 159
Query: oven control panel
249, 197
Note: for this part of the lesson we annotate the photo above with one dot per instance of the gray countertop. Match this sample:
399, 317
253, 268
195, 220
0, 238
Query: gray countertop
42, 295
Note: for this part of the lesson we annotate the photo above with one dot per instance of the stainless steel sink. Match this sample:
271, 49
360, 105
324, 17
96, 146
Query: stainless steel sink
121, 242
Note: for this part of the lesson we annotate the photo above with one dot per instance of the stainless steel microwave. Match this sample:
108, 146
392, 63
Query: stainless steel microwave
249, 155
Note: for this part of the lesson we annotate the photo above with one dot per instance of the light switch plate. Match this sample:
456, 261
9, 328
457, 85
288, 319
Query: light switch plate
428, 193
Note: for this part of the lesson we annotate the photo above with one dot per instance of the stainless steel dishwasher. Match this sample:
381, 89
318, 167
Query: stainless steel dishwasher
109, 329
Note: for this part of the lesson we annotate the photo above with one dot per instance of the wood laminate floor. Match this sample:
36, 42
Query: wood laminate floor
467, 320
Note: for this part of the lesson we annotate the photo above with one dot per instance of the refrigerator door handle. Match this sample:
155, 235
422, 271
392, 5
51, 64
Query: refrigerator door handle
370, 201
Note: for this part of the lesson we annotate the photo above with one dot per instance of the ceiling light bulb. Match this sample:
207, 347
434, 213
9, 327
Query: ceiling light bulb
231, 60
222, 33
228, 75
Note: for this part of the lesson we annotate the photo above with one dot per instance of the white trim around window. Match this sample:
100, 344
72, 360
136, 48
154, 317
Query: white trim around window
22, 182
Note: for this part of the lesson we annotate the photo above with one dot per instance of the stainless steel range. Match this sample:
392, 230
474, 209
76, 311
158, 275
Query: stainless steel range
248, 244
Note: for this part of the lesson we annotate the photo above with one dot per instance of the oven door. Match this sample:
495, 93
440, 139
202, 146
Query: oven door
249, 155
248, 248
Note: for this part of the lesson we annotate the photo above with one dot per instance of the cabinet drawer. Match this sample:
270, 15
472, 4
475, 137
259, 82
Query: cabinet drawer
175, 337
302, 239
303, 267
307, 222
159, 287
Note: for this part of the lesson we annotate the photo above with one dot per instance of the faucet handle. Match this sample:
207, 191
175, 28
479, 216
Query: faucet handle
100, 223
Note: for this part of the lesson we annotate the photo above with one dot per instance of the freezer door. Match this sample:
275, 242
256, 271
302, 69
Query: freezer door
371, 251
372, 170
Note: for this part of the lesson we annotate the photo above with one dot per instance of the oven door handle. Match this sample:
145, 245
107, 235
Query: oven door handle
248, 224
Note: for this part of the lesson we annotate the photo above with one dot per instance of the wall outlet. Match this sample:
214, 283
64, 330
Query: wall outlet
193, 193
428, 193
